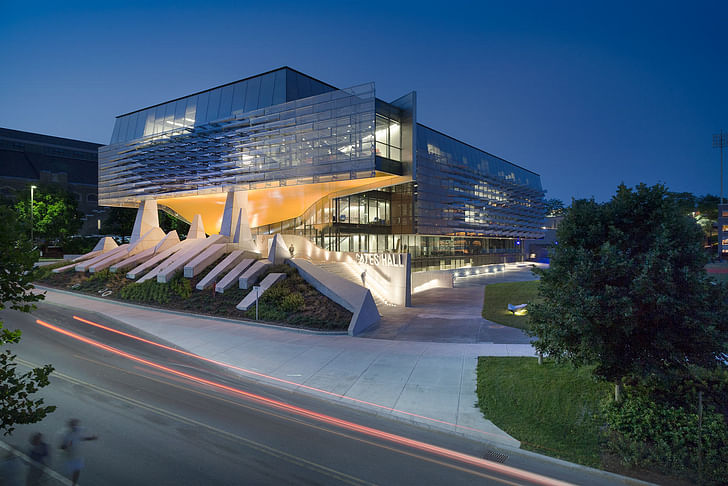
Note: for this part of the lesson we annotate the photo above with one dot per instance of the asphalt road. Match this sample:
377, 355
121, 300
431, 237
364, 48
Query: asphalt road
168, 419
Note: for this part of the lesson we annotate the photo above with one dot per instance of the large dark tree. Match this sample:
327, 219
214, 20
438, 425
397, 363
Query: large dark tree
17, 405
118, 221
627, 291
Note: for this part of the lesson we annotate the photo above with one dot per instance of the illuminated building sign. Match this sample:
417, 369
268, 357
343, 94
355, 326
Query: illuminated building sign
381, 259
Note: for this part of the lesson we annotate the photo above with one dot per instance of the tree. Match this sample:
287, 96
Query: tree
55, 213
119, 221
168, 223
554, 207
627, 290
17, 257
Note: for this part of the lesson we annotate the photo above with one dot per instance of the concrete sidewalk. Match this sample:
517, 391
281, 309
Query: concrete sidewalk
429, 383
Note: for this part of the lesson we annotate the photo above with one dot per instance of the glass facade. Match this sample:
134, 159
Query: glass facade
172, 118
446, 203
325, 137
462, 190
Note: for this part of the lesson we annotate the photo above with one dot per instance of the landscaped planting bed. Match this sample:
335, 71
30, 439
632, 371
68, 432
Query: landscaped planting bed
291, 302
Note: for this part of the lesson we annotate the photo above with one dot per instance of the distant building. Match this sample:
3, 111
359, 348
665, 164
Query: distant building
538, 250
723, 231
33, 159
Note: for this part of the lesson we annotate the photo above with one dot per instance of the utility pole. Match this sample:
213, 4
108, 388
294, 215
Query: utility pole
720, 141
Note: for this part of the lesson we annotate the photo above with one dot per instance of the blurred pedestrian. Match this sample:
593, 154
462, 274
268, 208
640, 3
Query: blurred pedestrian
11, 467
40, 454
72, 446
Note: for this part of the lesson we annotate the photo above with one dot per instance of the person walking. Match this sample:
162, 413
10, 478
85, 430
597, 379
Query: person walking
72, 446
40, 454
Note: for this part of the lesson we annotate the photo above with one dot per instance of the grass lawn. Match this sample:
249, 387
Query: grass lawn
549, 408
498, 296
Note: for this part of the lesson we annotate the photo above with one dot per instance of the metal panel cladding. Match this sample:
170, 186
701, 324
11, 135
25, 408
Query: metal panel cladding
462, 190
211, 142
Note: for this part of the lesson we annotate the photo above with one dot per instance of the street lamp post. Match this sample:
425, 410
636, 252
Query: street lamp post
32, 188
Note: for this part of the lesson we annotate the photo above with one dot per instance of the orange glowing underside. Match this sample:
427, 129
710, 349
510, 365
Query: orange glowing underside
271, 205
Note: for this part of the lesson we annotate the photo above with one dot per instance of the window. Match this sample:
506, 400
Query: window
388, 138
92, 198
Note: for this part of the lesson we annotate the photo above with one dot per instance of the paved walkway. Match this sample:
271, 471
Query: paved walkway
452, 315
431, 383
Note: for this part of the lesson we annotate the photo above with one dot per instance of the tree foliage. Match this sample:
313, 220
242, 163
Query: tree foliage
554, 207
55, 213
120, 221
17, 257
627, 291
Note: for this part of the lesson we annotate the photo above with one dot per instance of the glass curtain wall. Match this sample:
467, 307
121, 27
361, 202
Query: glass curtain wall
463, 190
317, 139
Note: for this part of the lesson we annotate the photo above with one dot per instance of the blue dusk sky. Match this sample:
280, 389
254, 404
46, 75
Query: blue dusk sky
586, 94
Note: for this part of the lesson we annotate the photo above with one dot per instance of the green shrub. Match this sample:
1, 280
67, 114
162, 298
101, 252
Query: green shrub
101, 276
274, 295
181, 286
42, 272
149, 291
659, 436
292, 302
266, 312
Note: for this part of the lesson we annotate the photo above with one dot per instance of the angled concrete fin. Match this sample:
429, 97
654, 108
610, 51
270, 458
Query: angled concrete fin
169, 240
243, 238
278, 252
150, 239
146, 219
235, 201
197, 229
236, 236
105, 244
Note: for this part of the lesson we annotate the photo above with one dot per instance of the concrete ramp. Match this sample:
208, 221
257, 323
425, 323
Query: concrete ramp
175, 264
104, 245
87, 256
204, 259
132, 260
267, 283
136, 272
108, 261
352, 297
232, 276
83, 266
219, 269
251, 275
63, 269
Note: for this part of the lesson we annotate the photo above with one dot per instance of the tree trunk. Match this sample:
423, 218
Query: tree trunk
618, 391
540, 358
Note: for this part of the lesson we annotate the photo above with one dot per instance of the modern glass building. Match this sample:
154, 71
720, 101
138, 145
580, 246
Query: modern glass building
338, 166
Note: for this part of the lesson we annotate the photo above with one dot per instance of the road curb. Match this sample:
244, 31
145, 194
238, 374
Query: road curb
492, 444
188, 314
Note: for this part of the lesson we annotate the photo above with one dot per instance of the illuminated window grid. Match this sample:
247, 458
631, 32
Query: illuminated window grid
328, 136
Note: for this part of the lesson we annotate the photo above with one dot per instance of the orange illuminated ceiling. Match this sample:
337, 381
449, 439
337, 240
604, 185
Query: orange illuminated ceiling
271, 205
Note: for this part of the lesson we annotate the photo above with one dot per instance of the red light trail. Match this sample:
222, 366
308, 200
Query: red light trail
280, 380
344, 424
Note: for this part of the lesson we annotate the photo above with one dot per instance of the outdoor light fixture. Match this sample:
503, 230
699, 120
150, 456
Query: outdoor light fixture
32, 188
